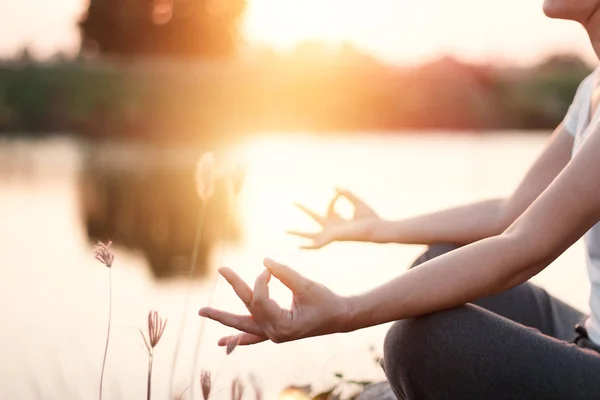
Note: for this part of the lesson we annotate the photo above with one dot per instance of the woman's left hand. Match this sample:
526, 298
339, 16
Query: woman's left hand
315, 310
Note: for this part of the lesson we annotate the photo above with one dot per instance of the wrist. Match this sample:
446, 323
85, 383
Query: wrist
349, 315
369, 229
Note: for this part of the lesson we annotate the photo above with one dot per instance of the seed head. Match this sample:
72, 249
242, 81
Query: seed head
156, 327
104, 254
237, 389
257, 387
205, 180
205, 383
232, 344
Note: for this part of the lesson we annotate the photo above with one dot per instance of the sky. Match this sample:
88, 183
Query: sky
397, 31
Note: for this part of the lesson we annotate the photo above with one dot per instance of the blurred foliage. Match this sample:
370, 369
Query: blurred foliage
310, 89
177, 28
343, 388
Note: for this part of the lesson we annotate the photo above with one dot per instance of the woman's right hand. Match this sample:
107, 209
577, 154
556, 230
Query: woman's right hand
334, 227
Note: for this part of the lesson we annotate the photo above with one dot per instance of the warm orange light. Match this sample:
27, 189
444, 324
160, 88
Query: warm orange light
162, 11
292, 394
287, 23
409, 30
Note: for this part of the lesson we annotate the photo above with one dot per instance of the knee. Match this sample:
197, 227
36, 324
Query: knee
403, 353
418, 349
434, 251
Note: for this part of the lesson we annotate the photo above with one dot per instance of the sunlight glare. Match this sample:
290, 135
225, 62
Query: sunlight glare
411, 31
293, 395
284, 24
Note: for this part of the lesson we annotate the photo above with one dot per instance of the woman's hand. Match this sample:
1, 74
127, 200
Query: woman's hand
315, 310
334, 227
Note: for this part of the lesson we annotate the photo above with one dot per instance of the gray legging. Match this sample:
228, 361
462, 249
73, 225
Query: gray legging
514, 345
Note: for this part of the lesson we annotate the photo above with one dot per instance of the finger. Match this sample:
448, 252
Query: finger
264, 310
290, 278
261, 288
311, 213
244, 339
243, 323
306, 235
352, 198
241, 288
361, 209
312, 247
333, 216
331, 208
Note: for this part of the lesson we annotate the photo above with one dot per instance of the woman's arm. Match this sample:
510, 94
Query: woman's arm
458, 225
473, 222
554, 221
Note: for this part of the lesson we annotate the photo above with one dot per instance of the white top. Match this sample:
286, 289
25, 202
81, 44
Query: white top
580, 123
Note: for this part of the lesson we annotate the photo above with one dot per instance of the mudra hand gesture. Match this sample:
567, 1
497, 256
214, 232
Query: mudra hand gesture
334, 227
315, 309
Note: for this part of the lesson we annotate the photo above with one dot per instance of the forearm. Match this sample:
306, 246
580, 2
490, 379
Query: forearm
473, 222
447, 281
458, 225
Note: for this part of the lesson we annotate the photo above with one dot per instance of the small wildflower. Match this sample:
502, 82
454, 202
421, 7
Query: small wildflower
237, 178
205, 383
156, 327
237, 389
205, 180
232, 344
104, 254
256, 386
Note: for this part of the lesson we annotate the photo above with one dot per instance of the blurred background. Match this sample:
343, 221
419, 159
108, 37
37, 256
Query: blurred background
107, 105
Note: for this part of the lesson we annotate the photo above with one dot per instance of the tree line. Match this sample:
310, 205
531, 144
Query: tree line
311, 89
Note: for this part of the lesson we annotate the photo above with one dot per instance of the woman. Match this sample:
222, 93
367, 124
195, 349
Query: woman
469, 326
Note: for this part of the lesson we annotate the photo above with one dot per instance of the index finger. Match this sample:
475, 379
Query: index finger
352, 198
331, 208
263, 308
286, 275
261, 287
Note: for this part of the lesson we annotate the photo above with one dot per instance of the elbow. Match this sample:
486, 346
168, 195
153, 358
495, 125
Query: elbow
504, 217
501, 219
531, 253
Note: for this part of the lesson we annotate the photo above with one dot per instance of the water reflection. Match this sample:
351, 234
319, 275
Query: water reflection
144, 198
62, 192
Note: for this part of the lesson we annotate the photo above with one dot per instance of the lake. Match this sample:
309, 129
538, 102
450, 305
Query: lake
55, 295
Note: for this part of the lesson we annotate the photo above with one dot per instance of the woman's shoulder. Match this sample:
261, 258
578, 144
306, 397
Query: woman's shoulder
587, 86
591, 80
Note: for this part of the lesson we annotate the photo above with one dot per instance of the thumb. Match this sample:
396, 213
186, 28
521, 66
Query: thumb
290, 278
361, 208
354, 199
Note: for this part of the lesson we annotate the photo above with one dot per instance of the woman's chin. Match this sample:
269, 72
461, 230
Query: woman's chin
562, 9
556, 9
553, 12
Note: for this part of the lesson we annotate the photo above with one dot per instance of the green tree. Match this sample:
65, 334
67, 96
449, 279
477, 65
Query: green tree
177, 28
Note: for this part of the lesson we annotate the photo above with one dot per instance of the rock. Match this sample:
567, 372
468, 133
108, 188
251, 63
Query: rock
377, 391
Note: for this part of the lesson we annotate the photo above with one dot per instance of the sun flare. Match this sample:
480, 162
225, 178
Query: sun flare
409, 30
285, 23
